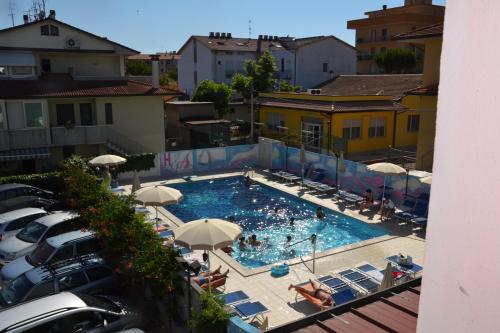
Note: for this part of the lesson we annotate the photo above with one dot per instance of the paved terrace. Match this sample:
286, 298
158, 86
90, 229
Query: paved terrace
273, 292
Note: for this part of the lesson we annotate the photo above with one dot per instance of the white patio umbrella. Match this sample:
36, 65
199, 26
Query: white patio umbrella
207, 234
136, 183
388, 280
386, 169
158, 196
303, 160
426, 180
107, 160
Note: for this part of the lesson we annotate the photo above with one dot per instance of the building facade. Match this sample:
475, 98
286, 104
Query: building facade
168, 61
63, 91
374, 33
304, 62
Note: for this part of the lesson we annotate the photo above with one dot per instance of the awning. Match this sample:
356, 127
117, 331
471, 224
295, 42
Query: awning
24, 154
17, 59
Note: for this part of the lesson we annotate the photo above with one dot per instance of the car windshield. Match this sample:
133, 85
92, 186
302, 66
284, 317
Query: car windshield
40, 254
15, 290
32, 232
100, 303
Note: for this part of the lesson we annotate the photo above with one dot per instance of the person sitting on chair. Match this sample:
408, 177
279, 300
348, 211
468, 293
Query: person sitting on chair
388, 208
367, 202
317, 292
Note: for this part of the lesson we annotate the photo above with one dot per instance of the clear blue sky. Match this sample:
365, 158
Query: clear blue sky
159, 25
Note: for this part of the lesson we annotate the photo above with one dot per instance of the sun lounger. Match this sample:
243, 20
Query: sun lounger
214, 284
311, 299
412, 269
420, 210
250, 309
235, 297
361, 280
344, 295
419, 221
349, 197
371, 271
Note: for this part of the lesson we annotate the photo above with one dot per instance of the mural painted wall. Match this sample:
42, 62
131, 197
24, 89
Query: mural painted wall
184, 162
356, 177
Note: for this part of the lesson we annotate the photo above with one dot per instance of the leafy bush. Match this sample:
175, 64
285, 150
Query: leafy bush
218, 93
138, 162
51, 181
211, 317
396, 61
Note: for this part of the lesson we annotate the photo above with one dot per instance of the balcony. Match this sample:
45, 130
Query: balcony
24, 138
79, 135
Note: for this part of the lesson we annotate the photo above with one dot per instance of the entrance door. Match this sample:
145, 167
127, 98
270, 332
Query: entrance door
312, 134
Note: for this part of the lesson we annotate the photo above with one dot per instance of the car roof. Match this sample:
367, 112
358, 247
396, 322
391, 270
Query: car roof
18, 213
55, 218
39, 308
64, 267
11, 186
59, 240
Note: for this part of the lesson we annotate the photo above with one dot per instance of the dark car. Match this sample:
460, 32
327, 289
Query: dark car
10, 191
28, 201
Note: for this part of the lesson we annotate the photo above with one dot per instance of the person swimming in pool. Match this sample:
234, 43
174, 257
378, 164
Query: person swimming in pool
242, 246
253, 241
248, 181
320, 214
292, 221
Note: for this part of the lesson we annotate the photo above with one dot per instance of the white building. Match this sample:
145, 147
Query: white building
305, 62
63, 91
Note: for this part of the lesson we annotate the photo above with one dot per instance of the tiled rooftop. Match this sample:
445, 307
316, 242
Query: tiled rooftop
435, 30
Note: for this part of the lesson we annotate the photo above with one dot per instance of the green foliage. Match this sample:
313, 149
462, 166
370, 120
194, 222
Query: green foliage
138, 67
396, 61
285, 86
51, 181
138, 162
218, 93
172, 74
260, 74
211, 317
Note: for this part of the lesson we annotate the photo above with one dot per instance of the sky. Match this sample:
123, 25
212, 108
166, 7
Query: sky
153, 26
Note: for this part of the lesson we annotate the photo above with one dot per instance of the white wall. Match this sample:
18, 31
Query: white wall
461, 283
204, 66
237, 59
340, 58
83, 64
289, 58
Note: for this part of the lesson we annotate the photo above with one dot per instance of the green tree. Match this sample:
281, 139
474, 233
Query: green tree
173, 74
287, 87
259, 73
211, 317
396, 61
218, 93
138, 67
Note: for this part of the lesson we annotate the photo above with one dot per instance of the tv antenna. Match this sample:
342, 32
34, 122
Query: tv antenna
37, 10
249, 29
11, 11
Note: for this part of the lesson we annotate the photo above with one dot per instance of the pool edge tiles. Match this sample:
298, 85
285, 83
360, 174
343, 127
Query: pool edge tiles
362, 232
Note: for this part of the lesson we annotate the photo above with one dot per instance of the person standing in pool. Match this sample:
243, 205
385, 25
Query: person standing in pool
248, 181
288, 242
320, 214
253, 241
292, 221
242, 244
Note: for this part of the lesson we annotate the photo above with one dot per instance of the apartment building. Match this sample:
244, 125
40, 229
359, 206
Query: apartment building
304, 62
63, 91
374, 33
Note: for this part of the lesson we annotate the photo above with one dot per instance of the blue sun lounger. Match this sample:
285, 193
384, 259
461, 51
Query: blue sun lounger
235, 297
250, 309
360, 280
344, 295
420, 210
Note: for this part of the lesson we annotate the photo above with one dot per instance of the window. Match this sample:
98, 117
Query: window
87, 246
229, 65
325, 67
377, 127
65, 114
311, 134
43, 289
195, 52
2, 116
22, 222
46, 68
97, 273
413, 123
373, 35
108, 110
74, 322
54, 31
33, 114
44, 30
61, 228
282, 64
275, 121
195, 78
21, 70
72, 281
384, 34
86, 114
352, 129
65, 252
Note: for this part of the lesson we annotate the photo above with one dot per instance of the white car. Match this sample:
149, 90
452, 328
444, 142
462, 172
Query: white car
14, 221
54, 249
36, 232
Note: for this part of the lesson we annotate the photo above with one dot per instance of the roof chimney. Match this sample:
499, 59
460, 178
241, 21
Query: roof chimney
26, 19
384, 7
228, 35
217, 35
155, 70
222, 35
52, 14
211, 34
260, 36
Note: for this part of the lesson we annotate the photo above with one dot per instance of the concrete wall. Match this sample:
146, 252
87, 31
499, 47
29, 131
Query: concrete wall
340, 58
205, 66
461, 283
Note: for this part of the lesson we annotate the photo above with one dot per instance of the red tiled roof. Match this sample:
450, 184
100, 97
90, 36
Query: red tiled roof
393, 85
431, 90
327, 106
64, 86
435, 30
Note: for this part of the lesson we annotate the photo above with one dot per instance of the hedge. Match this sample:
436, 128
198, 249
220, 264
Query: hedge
138, 162
51, 181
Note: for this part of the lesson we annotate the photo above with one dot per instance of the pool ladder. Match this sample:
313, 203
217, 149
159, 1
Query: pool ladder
248, 171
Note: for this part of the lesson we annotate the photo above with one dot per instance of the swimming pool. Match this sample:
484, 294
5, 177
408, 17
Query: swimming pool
254, 210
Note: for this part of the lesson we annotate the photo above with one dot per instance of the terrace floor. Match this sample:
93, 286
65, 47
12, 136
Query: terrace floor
273, 292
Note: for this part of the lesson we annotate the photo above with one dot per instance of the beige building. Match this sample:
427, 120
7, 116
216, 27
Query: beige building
374, 33
64, 91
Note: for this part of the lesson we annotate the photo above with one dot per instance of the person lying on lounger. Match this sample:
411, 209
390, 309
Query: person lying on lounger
316, 292
212, 276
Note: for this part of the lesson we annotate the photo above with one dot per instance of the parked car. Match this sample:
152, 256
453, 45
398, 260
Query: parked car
14, 221
28, 201
84, 274
36, 232
68, 312
9, 191
65, 246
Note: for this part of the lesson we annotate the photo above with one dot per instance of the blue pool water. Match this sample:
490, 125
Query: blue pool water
253, 209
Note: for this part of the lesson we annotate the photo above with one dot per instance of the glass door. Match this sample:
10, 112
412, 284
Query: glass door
312, 134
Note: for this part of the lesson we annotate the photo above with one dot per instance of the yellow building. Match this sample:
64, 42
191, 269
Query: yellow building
423, 100
374, 33
352, 124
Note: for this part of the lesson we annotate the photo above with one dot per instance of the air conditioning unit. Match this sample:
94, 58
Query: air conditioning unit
314, 91
71, 43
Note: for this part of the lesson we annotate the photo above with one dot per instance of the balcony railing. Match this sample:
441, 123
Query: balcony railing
80, 135
24, 138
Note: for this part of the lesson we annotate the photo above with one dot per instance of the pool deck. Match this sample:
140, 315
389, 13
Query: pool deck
273, 292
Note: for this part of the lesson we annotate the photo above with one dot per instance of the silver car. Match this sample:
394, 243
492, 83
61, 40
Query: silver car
36, 232
14, 221
68, 312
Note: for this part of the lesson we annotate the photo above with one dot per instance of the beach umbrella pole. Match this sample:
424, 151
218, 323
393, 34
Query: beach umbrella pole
156, 219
